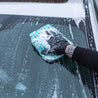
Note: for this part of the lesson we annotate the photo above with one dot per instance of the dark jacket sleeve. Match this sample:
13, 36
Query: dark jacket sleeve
86, 57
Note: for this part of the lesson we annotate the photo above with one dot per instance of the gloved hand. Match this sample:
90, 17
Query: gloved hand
57, 43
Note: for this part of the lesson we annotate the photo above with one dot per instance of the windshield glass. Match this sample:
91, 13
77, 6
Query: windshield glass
23, 73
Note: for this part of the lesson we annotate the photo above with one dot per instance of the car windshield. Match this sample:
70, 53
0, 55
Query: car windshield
23, 73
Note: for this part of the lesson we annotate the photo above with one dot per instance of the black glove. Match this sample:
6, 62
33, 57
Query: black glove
57, 43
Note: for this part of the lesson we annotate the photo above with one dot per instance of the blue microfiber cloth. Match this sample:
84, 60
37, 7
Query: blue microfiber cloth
39, 40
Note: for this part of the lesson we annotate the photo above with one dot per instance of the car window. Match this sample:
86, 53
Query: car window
23, 73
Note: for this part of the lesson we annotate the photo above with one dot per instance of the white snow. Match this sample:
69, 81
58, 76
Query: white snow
71, 33
56, 85
55, 94
43, 9
20, 87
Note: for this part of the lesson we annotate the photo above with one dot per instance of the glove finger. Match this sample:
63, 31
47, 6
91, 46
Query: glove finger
58, 51
52, 32
47, 52
44, 52
52, 52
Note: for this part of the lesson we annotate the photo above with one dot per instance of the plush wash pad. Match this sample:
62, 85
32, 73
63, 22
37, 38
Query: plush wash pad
39, 40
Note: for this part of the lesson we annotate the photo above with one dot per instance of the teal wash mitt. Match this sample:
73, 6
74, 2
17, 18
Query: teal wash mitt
39, 40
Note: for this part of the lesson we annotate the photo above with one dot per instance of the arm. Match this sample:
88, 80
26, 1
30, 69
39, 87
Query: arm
83, 56
59, 45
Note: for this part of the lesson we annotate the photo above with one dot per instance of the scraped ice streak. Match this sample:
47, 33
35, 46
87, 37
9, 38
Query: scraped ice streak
42, 82
56, 93
51, 87
70, 29
16, 47
82, 86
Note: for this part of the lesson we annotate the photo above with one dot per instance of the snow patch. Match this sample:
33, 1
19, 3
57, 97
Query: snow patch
55, 92
68, 10
20, 87
70, 29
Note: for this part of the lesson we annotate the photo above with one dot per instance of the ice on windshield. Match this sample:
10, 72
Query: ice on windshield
23, 73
